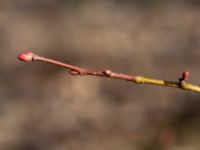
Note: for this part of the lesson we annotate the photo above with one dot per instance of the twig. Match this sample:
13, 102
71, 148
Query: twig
74, 70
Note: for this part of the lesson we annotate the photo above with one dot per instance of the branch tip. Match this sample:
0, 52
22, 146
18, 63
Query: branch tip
27, 56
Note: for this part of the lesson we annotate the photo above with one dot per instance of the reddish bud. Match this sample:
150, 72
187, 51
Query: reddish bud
26, 56
72, 72
107, 72
185, 76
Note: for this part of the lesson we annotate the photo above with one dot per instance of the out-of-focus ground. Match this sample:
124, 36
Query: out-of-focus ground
44, 108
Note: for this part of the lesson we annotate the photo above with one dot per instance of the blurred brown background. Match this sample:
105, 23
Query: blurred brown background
44, 108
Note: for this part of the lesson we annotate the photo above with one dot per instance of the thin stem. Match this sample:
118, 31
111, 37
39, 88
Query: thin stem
74, 70
55, 62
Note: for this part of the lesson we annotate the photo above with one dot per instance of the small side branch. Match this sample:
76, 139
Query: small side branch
74, 70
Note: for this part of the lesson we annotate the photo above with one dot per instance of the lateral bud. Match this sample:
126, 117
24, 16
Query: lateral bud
185, 76
107, 72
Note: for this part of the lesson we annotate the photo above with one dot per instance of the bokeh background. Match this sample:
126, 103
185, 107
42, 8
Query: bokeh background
42, 107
